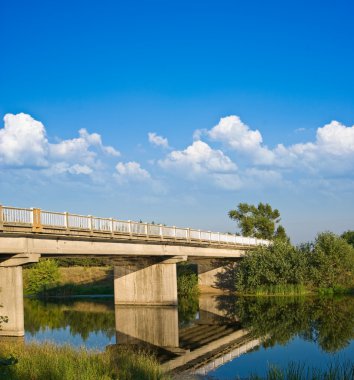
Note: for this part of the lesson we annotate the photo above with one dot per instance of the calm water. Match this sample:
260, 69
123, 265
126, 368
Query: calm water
223, 337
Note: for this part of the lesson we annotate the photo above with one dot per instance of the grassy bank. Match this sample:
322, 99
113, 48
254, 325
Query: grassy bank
297, 371
50, 280
51, 362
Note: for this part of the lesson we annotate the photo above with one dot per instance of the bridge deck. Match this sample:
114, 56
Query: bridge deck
36, 223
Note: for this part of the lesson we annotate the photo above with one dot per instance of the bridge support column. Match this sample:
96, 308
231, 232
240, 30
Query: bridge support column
146, 281
11, 294
217, 274
11, 300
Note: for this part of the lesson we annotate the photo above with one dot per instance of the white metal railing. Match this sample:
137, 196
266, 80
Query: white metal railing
40, 219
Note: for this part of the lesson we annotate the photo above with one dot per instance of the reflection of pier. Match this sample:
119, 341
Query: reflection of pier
209, 342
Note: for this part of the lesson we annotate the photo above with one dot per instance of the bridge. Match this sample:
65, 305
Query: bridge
144, 255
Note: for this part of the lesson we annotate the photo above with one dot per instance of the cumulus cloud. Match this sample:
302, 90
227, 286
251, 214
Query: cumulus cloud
157, 140
131, 172
198, 158
331, 151
238, 136
23, 143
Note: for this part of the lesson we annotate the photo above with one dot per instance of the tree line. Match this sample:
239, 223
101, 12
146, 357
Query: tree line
325, 265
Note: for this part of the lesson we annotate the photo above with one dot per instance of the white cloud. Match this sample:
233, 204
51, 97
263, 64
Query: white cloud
158, 140
131, 171
198, 158
332, 151
238, 136
336, 139
23, 143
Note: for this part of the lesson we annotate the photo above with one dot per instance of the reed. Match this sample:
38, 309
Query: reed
299, 371
51, 362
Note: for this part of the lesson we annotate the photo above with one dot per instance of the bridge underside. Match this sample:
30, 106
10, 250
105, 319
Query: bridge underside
144, 274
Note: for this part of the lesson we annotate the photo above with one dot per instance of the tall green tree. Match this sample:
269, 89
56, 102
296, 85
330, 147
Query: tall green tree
258, 221
348, 236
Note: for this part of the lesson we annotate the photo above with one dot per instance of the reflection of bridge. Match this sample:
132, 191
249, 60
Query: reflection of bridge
144, 255
212, 340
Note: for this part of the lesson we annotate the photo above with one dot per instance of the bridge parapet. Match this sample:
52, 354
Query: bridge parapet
38, 220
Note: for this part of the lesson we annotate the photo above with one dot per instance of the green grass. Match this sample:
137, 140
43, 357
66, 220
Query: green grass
51, 362
296, 371
73, 281
279, 290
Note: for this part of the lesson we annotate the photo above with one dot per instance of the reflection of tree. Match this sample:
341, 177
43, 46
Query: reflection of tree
327, 321
40, 315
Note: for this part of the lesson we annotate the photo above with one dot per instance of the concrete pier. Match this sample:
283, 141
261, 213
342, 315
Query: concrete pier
11, 300
146, 282
217, 274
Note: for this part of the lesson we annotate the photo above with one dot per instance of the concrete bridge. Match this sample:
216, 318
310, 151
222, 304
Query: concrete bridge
144, 255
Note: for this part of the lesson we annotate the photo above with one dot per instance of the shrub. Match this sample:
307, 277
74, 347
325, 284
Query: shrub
277, 264
331, 262
187, 280
41, 277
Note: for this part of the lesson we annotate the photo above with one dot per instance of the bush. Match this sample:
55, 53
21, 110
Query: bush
187, 280
41, 277
331, 262
278, 264
327, 265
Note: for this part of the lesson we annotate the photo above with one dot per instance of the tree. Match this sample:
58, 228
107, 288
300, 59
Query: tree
331, 261
277, 264
348, 236
260, 222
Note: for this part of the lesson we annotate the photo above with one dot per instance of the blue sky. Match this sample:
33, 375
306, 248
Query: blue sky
244, 102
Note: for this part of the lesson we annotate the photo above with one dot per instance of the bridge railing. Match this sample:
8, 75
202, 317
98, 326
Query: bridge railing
40, 219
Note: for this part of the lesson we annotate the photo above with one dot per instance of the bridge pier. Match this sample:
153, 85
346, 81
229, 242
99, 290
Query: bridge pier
11, 294
146, 281
217, 273
11, 300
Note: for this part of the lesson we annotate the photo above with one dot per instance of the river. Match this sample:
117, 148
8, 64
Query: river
216, 335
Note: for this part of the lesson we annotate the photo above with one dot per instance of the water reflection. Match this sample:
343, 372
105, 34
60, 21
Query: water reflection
79, 317
203, 333
329, 322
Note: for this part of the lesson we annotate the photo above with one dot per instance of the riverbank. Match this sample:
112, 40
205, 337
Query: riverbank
49, 361
75, 281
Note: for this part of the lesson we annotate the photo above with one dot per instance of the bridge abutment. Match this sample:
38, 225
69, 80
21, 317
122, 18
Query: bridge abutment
146, 281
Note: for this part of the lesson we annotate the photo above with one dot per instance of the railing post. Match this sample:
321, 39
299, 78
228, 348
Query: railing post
200, 235
36, 223
189, 234
90, 224
130, 227
219, 237
1, 219
147, 230
160, 231
209, 236
66, 221
174, 232
112, 226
